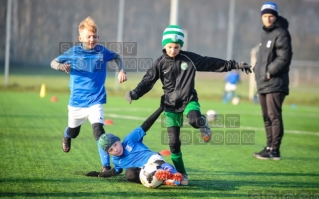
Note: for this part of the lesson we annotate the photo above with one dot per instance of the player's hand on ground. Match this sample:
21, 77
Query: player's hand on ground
122, 76
108, 173
64, 67
93, 174
244, 67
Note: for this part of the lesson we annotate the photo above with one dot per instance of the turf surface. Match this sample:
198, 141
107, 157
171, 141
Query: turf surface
33, 164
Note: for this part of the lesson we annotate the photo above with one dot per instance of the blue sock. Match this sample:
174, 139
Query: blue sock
66, 132
105, 157
169, 167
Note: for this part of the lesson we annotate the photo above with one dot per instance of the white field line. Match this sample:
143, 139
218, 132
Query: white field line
308, 114
286, 131
242, 127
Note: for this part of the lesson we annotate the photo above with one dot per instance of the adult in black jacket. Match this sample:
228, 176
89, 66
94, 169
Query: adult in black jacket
271, 73
176, 69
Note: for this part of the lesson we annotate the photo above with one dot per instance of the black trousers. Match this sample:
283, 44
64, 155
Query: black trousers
271, 104
133, 174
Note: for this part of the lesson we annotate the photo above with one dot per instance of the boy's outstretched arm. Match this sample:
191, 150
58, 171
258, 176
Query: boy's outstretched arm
145, 85
243, 66
147, 124
61, 67
204, 63
122, 74
105, 174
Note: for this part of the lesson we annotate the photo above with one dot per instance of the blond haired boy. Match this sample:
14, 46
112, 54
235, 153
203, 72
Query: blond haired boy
87, 65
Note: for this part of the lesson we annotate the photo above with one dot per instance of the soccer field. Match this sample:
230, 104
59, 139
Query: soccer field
33, 164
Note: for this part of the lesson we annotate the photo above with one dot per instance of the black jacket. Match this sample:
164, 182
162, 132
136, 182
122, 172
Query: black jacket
275, 53
178, 77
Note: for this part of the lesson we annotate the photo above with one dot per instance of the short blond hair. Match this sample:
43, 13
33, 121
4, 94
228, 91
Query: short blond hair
88, 24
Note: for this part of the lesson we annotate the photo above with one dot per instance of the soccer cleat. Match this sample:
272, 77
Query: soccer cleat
205, 131
172, 179
171, 182
163, 174
264, 151
268, 154
274, 154
176, 177
184, 181
206, 134
263, 154
66, 144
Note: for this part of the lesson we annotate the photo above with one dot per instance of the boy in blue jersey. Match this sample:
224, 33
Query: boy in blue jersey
87, 65
232, 80
132, 155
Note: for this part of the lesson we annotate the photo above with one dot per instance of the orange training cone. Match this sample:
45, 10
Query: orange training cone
165, 152
108, 122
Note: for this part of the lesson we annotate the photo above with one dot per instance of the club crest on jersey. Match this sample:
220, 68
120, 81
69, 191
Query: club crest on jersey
129, 148
100, 56
184, 66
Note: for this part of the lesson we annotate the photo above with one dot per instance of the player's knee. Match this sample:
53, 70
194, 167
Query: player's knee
195, 119
266, 118
133, 174
98, 130
193, 122
74, 132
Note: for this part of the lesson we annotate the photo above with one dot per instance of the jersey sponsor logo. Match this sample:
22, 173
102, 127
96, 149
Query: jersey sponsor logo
128, 147
184, 66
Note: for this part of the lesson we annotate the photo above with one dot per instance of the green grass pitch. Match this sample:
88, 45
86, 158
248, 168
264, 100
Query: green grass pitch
33, 165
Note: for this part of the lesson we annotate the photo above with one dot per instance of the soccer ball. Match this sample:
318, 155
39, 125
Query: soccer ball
147, 175
235, 101
211, 115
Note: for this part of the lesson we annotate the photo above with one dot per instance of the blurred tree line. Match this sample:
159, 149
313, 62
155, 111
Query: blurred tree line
39, 26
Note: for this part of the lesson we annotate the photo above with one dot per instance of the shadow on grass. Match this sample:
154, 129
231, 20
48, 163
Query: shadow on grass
196, 189
265, 174
158, 193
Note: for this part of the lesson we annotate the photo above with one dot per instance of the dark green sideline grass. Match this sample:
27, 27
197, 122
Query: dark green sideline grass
210, 86
33, 165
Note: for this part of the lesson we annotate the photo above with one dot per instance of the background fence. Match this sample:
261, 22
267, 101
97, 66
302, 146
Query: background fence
38, 28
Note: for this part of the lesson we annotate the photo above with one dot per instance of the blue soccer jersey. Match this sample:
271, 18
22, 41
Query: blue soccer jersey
135, 153
87, 75
232, 77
